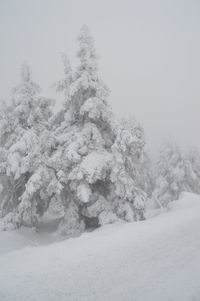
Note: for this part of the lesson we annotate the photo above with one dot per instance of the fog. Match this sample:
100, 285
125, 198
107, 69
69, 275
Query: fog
149, 56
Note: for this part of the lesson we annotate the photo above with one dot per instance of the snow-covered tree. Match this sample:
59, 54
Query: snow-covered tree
87, 140
83, 138
31, 109
127, 151
21, 152
63, 86
171, 174
145, 178
193, 170
80, 164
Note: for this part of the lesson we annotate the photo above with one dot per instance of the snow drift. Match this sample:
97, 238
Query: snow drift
157, 259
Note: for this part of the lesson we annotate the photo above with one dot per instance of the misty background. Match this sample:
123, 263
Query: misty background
149, 56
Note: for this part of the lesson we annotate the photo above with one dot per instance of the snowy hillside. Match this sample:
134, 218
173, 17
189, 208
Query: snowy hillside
93, 205
157, 259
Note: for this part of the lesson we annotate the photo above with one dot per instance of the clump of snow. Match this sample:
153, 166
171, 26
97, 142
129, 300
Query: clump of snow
95, 165
84, 192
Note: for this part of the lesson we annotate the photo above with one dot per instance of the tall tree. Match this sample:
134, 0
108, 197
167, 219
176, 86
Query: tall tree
84, 136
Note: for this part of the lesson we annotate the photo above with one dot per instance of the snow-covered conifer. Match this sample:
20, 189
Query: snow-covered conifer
145, 177
193, 170
31, 109
171, 174
83, 137
80, 164
127, 151
22, 149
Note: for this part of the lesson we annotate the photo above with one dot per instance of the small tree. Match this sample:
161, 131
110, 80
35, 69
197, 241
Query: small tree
193, 170
145, 177
127, 151
171, 174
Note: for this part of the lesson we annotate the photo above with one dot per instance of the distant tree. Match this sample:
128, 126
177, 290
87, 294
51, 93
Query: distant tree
145, 175
193, 170
171, 174
127, 151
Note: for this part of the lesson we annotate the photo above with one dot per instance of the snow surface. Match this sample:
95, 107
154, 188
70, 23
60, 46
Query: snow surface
157, 259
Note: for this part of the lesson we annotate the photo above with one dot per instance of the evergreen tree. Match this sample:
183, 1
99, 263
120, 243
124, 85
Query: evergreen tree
127, 151
84, 137
171, 174
145, 177
21, 150
81, 163
193, 170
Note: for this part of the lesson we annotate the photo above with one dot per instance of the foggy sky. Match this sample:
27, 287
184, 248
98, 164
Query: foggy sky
149, 56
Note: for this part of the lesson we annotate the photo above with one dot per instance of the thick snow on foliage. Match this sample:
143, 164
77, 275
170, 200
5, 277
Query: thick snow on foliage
193, 170
158, 259
171, 174
95, 165
81, 163
21, 152
176, 172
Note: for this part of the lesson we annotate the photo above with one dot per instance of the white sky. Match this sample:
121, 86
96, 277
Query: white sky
149, 55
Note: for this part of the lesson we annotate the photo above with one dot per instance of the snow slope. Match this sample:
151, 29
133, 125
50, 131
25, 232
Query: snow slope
158, 259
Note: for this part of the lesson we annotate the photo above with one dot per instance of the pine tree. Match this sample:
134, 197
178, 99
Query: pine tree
84, 137
22, 153
127, 151
171, 174
193, 170
81, 163
145, 177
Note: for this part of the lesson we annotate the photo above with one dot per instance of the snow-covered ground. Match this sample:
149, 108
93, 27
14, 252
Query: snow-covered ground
158, 259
